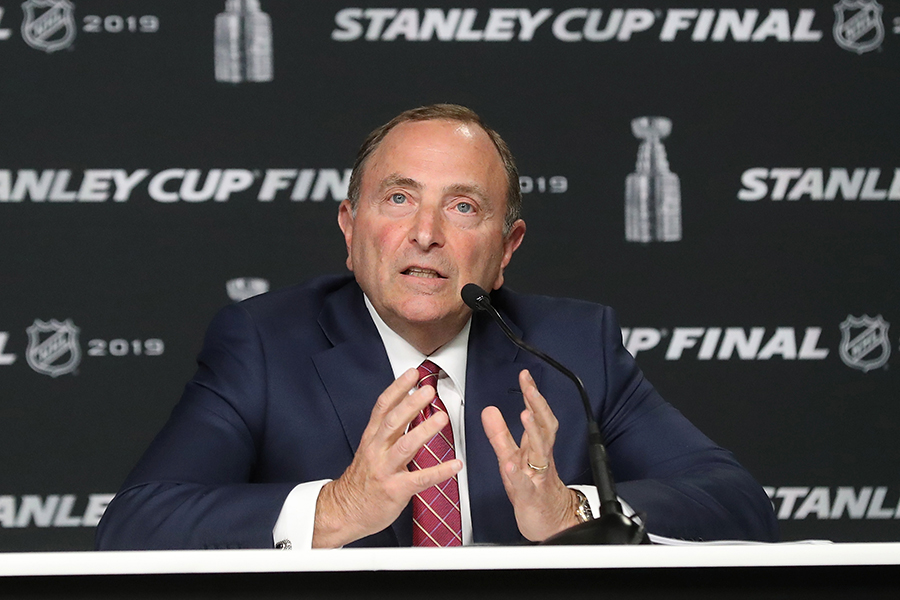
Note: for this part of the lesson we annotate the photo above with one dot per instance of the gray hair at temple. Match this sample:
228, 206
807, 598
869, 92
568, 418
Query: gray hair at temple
442, 112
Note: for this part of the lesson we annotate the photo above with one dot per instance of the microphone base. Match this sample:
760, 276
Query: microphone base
609, 529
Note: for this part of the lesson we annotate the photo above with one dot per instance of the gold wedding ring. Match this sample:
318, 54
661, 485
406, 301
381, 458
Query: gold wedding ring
538, 469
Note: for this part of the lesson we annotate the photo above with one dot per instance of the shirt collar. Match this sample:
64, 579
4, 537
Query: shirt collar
452, 357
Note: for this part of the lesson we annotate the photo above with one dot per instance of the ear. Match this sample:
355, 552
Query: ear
345, 222
511, 243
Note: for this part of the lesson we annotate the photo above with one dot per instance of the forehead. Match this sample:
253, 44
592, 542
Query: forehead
438, 152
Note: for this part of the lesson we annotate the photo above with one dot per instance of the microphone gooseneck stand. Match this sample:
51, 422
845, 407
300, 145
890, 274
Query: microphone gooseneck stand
612, 526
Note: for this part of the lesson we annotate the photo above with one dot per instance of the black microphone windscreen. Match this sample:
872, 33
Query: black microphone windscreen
472, 295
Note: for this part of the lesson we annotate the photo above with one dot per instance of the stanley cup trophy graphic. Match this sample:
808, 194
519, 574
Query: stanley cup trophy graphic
652, 192
243, 43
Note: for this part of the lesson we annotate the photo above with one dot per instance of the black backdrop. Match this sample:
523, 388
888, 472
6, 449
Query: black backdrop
784, 139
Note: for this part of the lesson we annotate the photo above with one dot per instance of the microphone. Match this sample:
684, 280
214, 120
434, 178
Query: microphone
612, 526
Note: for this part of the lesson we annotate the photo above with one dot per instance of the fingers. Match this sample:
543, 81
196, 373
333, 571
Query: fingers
425, 478
396, 407
540, 426
392, 396
498, 434
373, 490
537, 444
394, 412
537, 404
539, 498
408, 445
395, 422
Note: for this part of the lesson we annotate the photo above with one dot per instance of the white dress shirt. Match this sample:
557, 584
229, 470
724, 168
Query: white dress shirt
297, 518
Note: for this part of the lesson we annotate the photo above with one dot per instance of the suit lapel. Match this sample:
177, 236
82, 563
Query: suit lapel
356, 369
492, 379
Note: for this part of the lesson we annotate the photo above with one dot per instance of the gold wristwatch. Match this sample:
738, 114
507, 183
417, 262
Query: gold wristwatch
583, 510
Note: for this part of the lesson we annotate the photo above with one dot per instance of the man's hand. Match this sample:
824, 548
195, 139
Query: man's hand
543, 504
377, 485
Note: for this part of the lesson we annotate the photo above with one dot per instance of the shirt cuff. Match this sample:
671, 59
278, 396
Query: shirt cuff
297, 519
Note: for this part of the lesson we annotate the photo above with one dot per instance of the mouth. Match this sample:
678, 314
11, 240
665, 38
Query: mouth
423, 273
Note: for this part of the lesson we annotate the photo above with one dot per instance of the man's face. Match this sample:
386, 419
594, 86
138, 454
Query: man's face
429, 220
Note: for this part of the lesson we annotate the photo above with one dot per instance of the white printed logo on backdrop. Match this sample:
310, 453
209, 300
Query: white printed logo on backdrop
864, 342
49, 25
241, 288
858, 26
53, 510
817, 183
831, 503
652, 192
53, 347
243, 44
575, 24
4, 32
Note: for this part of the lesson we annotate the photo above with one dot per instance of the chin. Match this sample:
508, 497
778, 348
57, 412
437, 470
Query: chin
427, 311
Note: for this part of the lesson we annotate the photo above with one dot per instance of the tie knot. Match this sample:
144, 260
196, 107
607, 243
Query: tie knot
428, 374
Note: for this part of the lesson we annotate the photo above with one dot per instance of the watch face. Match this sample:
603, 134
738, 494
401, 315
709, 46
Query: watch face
583, 512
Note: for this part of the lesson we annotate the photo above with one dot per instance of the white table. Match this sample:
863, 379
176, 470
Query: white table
795, 570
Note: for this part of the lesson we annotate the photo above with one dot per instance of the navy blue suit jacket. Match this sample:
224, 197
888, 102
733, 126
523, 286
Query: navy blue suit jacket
286, 383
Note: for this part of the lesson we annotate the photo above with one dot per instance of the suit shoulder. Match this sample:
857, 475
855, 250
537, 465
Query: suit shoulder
301, 298
294, 306
549, 311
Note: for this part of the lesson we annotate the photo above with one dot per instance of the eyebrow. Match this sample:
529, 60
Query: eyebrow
466, 189
394, 179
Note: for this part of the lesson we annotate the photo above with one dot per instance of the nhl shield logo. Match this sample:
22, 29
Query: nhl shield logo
857, 25
864, 342
49, 25
53, 347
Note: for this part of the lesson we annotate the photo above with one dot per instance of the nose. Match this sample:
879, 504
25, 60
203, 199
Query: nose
427, 229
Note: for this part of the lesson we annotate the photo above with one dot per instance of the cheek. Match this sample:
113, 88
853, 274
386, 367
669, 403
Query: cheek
384, 245
481, 259
377, 246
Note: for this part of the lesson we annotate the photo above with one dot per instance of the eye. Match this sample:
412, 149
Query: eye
465, 208
398, 198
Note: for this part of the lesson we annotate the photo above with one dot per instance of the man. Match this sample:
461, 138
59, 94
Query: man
293, 433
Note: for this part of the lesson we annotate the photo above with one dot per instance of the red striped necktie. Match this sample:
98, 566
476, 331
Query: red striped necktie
436, 517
